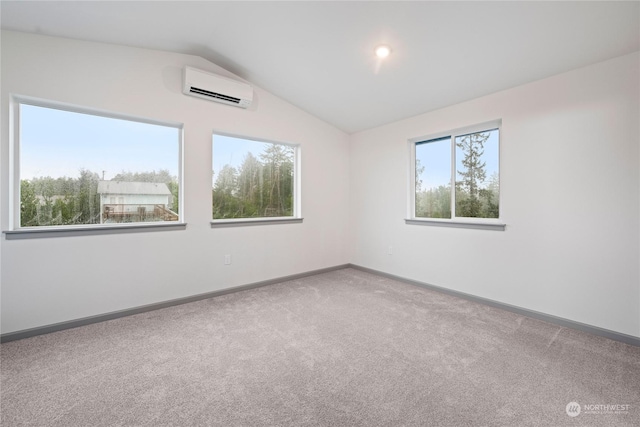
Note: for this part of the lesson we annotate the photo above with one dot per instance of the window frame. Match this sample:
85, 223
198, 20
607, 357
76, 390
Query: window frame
296, 217
17, 231
454, 221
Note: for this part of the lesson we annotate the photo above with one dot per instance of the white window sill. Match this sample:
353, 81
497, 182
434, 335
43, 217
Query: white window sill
241, 222
90, 230
481, 225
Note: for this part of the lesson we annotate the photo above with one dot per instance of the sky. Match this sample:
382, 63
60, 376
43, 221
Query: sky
436, 158
229, 150
59, 143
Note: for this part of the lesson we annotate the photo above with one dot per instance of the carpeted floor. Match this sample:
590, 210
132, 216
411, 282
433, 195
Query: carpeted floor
344, 348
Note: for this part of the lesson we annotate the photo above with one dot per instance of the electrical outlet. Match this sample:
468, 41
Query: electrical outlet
227, 259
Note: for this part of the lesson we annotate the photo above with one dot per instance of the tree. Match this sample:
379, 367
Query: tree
225, 204
175, 199
438, 202
490, 197
161, 176
87, 200
226, 181
434, 202
28, 204
468, 202
250, 180
63, 211
277, 162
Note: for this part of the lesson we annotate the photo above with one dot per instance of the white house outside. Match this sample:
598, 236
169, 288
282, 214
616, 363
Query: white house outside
122, 201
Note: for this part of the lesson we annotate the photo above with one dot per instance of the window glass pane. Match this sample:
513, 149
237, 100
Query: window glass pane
85, 169
433, 178
477, 174
252, 179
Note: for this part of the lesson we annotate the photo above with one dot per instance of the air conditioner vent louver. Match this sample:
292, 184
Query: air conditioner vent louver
214, 95
216, 88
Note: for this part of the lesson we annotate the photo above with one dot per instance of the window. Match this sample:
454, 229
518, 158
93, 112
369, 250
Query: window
457, 175
253, 179
74, 167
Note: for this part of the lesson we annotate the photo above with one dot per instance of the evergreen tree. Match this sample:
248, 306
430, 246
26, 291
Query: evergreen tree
161, 176
468, 203
28, 204
277, 162
250, 181
438, 202
490, 196
225, 203
175, 199
87, 200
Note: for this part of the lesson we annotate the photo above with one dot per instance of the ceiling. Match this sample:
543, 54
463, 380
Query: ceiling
319, 55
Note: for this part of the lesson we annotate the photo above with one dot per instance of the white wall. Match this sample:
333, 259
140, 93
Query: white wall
50, 280
570, 199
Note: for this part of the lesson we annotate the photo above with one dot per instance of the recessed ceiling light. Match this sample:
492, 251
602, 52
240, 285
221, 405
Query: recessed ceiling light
383, 51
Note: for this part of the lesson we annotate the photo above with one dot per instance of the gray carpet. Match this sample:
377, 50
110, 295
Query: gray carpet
344, 348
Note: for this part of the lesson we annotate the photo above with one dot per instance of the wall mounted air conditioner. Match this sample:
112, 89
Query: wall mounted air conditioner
216, 88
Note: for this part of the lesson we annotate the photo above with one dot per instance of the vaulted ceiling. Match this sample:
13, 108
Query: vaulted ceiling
320, 55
